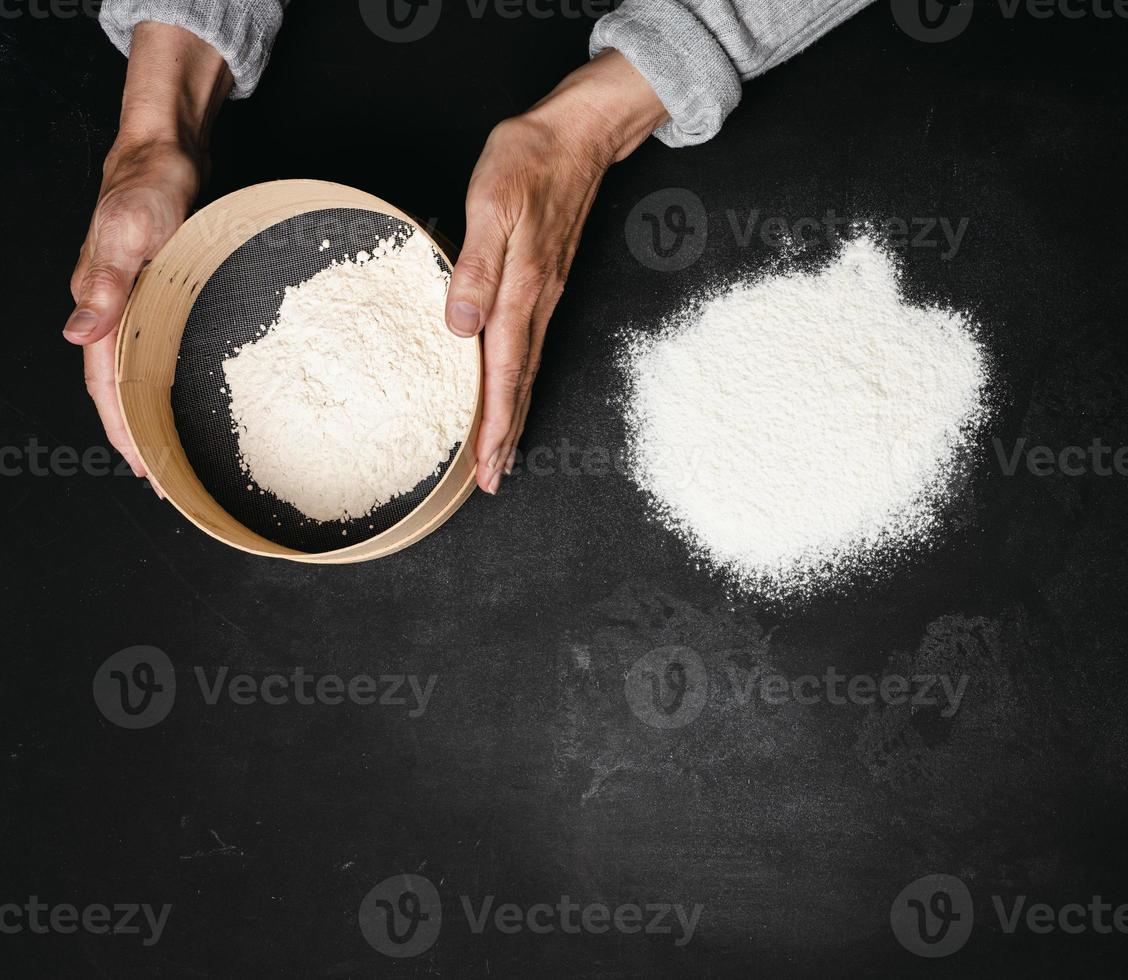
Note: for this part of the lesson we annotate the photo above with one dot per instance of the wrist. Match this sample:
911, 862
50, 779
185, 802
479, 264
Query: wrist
607, 104
175, 86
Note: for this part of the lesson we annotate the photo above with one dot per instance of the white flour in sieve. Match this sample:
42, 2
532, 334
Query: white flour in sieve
799, 426
357, 391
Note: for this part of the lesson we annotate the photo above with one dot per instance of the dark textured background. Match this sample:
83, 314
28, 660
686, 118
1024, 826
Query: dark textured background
528, 777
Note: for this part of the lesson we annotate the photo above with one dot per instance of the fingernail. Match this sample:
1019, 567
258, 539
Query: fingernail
495, 482
492, 462
510, 461
464, 318
81, 322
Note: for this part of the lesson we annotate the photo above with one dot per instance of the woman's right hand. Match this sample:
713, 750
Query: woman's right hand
151, 176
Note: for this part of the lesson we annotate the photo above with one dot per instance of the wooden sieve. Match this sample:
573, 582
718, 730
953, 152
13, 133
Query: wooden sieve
209, 290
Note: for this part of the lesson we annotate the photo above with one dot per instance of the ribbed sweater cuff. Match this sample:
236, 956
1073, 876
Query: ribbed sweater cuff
242, 31
680, 58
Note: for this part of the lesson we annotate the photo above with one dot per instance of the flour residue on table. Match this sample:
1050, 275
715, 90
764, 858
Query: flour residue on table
800, 426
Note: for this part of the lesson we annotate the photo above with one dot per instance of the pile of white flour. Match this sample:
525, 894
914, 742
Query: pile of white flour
799, 426
357, 391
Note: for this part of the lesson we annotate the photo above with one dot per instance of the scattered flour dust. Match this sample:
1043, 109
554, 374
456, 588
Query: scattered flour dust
803, 426
357, 391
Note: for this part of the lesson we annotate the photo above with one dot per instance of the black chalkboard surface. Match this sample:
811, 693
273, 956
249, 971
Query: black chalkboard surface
452, 762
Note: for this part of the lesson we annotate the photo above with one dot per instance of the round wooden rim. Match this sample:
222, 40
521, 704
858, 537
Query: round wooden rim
149, 342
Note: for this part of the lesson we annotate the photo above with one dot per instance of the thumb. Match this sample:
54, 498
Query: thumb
111, 260
477, 273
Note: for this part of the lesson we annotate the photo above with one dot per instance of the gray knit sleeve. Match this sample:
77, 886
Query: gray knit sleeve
242, 31
695, 53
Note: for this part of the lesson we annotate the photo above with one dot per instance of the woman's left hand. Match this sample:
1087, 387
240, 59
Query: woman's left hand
525, 208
